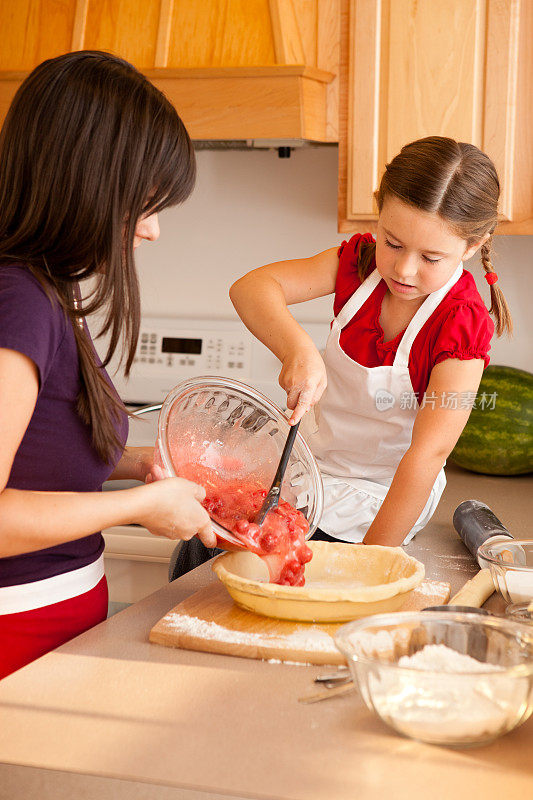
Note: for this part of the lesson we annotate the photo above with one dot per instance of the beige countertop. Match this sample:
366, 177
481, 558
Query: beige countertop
111, 715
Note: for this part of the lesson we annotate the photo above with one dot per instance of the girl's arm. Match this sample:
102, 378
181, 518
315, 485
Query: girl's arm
261, 298
31, 520
435, 432
135, 464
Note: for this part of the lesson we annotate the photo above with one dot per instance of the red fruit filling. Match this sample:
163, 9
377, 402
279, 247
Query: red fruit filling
279, 541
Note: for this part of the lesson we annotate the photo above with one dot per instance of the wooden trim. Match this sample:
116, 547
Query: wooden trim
383, 97
344, 46
286, 33
283, 107
80, 21
278, 106
523, 228
478, 78
14, 75
499, 129
357, 226
328, 55
313, 112
523, 164
364, 87
276, 71
166, 9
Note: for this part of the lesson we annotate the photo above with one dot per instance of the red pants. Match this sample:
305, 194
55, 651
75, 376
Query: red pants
30, 634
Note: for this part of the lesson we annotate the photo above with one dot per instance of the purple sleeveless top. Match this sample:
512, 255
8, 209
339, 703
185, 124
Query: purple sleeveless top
56, 453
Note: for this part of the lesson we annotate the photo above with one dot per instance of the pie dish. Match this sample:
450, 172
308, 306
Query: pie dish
342, 582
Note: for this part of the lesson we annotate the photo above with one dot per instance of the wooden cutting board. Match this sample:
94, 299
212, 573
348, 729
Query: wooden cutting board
211, 622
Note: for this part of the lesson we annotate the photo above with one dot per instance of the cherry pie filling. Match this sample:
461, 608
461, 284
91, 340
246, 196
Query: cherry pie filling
279, 541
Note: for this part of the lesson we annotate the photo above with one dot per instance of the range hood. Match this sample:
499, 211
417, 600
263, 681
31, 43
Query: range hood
250, 103
235, 71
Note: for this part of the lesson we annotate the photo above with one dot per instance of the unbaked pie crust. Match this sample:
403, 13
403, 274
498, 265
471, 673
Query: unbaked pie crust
342, 582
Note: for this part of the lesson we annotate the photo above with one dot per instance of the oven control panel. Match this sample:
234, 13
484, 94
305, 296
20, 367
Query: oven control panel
192, 352
173, 350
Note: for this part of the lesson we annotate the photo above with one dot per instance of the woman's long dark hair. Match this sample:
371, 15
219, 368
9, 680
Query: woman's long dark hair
457, 181
88, 147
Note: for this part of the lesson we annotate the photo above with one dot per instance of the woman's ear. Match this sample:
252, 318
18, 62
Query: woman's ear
470, 251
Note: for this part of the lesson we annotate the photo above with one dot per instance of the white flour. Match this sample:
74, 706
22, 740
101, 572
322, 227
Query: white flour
431, 588
458, 699
313, 639
520, 585
440, 658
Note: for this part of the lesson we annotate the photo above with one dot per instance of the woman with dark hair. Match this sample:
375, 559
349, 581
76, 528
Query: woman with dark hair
90, 152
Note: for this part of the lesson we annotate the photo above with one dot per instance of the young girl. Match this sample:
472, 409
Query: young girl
89, 153
408, 342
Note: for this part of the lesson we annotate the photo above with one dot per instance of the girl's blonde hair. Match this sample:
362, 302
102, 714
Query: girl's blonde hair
458, 182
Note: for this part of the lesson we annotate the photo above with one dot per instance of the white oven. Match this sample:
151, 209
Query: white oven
169, 351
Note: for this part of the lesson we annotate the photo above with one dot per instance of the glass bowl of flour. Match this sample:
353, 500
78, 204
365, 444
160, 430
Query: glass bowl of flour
511, 565
447, 678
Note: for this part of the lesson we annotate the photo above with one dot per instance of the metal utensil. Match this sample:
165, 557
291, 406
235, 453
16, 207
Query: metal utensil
341, 674
272, 498
339, 689
226, 540
460, 609
330, 681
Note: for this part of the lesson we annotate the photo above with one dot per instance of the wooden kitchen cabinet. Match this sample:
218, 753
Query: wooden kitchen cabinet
235, 69
414, 68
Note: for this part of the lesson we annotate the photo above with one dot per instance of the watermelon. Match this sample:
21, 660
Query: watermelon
498, 437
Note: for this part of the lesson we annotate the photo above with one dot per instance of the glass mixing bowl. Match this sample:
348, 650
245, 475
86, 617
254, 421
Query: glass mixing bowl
435, 705
229, 426
511, 565
520, 612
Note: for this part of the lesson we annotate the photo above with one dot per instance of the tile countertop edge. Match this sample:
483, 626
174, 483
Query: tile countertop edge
110, 705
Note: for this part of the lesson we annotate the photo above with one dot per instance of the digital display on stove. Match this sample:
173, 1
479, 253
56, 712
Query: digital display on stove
190, 347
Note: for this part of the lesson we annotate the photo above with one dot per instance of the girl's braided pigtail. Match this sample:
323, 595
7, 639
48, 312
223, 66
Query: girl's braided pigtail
499, 307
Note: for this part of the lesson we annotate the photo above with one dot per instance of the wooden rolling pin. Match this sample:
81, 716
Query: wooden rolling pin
475, 591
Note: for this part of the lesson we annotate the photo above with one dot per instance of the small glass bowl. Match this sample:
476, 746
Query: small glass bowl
520, 612
457, 709
510, 562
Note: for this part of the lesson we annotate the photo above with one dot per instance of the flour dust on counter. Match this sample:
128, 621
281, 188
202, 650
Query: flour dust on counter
209, 621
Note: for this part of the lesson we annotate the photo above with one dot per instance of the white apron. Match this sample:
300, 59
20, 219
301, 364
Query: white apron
364, 423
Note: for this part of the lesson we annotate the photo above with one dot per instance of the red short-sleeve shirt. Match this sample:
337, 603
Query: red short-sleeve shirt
460, 327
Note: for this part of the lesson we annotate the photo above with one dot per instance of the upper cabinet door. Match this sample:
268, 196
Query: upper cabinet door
414, 68
234, 69
34, 31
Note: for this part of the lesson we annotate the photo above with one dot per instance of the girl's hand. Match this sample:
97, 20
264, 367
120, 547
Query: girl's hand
172, 508
154, 473
303, 376
144, 457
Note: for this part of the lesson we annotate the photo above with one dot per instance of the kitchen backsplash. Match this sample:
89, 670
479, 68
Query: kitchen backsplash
251, 207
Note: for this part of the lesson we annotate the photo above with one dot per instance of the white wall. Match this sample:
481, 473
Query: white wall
251, 208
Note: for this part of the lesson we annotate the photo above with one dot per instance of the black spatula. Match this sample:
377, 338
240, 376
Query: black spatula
272, 498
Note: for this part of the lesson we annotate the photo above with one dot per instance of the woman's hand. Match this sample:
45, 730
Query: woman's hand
172, 508
303, 376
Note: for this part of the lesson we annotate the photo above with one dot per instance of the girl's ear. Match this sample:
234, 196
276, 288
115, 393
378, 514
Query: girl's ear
470, 251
